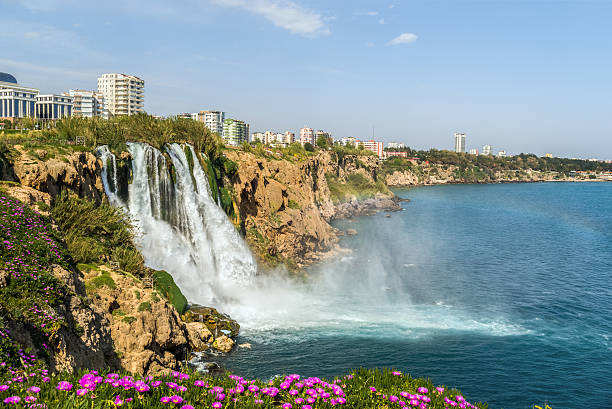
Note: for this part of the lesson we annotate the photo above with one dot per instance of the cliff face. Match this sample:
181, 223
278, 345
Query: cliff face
78, 172
425, 175
286, 206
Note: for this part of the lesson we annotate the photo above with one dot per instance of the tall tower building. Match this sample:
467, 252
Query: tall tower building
459, 142
486, 149
123, 94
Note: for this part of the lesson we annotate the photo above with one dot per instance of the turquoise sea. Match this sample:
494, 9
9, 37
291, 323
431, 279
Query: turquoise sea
504, 291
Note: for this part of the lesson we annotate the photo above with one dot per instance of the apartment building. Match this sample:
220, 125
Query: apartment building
213, 120
235, 132
123, 94
307, 136
87, 104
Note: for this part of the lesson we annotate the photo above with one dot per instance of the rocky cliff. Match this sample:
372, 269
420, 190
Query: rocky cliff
88, 316
286, 206
76, 171
435, 174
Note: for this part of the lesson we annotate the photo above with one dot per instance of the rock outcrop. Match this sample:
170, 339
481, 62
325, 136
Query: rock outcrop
149, 335
85, 341
78, 172
435, 174
286, 206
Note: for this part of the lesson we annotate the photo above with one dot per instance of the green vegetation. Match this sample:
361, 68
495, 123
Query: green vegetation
355, 185
165, 285
94, 232
292, 204
492, 163
361, 389
30, 296
144, 306
103, 280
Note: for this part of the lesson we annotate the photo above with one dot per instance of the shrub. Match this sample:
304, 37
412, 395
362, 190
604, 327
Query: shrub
293, 204
144, 306
92, 231
165, 285
103, 280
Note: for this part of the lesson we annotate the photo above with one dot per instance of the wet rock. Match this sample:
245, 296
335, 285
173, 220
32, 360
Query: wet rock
214, 321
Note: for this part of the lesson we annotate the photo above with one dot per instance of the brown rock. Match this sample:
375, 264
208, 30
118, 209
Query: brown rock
223, 344
199, 336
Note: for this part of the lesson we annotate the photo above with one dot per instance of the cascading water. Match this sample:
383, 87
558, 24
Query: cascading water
183, 231
110, 186
181, 228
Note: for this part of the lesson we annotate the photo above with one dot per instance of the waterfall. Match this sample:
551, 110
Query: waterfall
111, 188
181, 228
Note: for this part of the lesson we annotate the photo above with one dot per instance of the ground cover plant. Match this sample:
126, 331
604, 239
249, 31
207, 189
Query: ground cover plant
360, 389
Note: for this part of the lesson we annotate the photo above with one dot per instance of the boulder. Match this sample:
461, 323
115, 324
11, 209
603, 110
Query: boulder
223, 344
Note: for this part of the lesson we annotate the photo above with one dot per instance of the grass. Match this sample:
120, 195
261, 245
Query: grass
292, 204
356, 185
103, 280
93, 232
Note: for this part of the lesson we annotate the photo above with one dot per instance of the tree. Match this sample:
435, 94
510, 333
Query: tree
322, 142
308, 146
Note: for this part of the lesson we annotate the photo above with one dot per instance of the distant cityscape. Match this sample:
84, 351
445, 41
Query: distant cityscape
123, 94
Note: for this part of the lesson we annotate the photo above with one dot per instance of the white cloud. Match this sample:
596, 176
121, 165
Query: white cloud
405, 38
285, 14
369, 44
372, 13
382, 21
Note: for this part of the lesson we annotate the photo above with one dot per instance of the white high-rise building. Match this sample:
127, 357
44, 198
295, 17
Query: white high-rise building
87, 104
487, 149
123, 94
307, 136
473, 151
213, 120
459, 142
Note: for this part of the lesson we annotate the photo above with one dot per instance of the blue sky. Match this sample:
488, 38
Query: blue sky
524, 76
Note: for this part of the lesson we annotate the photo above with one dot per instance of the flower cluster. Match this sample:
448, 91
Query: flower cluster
363, 389
29, 292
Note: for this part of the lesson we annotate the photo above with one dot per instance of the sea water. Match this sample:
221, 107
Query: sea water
503, 291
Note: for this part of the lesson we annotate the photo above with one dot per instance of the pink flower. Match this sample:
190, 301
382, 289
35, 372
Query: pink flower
64, 386
217, 405
13, 400
82, 392
34, 389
